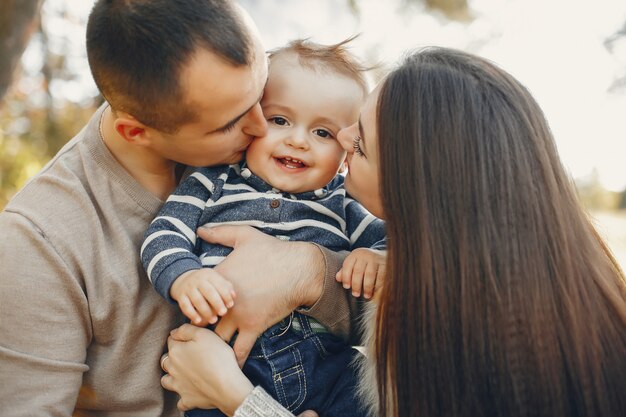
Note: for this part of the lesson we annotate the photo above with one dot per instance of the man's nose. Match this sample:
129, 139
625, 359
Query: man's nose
255, 123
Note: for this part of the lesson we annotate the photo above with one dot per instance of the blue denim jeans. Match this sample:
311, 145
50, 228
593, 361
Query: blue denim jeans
303, 370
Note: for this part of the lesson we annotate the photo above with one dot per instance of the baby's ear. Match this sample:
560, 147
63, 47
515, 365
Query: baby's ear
343, 168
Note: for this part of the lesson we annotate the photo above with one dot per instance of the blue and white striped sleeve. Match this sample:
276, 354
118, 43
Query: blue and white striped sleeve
364, 229
168, 247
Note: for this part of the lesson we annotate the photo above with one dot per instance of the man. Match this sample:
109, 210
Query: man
81, 329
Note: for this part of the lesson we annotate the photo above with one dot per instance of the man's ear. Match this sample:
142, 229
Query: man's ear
131, 129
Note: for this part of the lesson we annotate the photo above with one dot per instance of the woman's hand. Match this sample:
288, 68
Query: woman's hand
203, 370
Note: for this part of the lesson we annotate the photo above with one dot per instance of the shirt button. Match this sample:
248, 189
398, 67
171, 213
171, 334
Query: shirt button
274, 203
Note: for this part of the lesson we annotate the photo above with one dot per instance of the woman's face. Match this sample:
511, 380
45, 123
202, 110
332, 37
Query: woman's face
361, 142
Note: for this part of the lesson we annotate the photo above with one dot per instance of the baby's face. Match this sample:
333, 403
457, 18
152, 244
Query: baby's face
305, 109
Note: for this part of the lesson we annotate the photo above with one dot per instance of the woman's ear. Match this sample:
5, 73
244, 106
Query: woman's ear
131, 129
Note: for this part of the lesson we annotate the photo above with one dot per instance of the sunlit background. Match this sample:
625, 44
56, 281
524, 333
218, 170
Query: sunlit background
571, 54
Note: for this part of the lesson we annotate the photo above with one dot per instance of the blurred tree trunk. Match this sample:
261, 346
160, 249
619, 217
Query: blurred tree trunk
17, 22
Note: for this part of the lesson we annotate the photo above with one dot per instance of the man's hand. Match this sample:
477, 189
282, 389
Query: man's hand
271, 278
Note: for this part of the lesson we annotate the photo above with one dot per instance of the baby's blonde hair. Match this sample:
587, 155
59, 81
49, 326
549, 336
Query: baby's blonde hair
334, 57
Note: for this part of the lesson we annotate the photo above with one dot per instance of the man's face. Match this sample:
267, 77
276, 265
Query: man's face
225, 100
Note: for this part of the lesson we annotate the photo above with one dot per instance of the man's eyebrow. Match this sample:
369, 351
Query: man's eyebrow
236, 119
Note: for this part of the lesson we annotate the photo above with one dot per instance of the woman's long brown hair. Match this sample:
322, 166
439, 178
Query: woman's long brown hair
501, 298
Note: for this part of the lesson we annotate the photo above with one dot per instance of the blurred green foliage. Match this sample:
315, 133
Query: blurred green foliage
49, 101
595, 197
30, 136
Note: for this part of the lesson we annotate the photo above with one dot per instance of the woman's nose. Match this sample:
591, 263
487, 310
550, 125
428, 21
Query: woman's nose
346, 137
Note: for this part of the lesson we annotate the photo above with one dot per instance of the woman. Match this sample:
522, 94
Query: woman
501, 299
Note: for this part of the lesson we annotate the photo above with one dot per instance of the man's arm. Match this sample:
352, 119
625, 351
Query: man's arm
335, 306
44, 324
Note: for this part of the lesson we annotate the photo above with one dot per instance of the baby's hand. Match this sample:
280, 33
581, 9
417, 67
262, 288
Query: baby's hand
363, 270
202, 295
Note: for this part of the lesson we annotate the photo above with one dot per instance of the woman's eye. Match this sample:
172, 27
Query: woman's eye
281, 121
323, 133
356, 144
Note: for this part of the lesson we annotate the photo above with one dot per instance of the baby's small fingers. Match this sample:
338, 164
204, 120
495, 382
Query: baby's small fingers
338, 276
346, 272
210, 293
369, 281
225, 290
381, 273
188, 310
357, 278
202, 307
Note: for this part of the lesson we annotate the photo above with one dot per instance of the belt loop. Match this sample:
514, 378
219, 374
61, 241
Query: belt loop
305, 325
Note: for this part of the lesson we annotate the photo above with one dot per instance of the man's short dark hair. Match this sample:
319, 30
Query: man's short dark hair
137, 48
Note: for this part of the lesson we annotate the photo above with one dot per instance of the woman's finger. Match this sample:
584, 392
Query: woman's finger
167, 383
164, 358
184, 333
181, 405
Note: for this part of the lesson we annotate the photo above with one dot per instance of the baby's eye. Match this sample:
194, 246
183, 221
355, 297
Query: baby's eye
278, 120
323, 133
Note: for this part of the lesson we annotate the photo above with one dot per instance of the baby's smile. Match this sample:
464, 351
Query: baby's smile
290, 163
